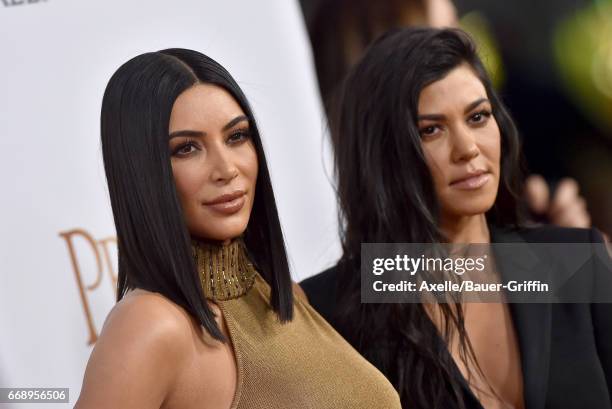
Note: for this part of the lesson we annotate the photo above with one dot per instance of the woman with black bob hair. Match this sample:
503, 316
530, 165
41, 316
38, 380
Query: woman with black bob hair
425, 152
207, 315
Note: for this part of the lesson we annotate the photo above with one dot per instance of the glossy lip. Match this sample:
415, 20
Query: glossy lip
228, 203
471, 180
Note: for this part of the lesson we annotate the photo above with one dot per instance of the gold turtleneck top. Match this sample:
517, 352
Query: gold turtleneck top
302, 364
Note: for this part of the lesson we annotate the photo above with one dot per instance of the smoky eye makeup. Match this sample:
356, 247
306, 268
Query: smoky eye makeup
239, 135
480, 116
184, 148
428, 130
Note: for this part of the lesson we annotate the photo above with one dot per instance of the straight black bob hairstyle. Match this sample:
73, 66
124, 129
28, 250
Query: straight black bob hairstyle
386, 195
154, 245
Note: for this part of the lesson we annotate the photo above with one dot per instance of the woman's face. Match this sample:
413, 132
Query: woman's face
214, 162
461, 142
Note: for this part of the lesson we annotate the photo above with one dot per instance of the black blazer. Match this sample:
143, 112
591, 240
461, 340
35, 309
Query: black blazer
566, 349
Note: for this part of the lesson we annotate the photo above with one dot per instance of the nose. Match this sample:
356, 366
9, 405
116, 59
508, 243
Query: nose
223, 167
464, 146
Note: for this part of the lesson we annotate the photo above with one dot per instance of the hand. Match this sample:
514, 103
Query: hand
567, 208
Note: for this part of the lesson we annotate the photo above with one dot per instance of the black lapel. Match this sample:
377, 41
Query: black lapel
532, 322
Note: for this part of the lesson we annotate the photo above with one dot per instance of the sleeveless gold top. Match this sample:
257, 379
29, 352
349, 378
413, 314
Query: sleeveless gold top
302, 364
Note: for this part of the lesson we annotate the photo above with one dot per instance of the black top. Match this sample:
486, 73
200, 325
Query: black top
565, 349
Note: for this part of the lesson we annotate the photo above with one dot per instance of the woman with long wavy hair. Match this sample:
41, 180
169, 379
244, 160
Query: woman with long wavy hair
425, 152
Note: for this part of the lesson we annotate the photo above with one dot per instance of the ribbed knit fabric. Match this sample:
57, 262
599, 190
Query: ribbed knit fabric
303, 364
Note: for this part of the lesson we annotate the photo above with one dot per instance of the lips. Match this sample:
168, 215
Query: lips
227, 204
471, 180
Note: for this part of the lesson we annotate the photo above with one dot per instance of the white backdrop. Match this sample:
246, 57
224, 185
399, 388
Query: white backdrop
56, 58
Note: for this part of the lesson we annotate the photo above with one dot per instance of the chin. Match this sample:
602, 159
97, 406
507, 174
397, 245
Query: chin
471, 210
470, 207
212, 226
225, 230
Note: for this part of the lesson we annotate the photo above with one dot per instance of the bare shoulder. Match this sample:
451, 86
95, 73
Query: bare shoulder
151, 316
145, 346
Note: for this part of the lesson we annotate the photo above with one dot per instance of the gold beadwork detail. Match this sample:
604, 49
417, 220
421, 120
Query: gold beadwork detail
225, 270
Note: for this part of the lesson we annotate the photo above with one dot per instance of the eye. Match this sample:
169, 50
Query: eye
239, 136
429, 131
480, 117
185, 148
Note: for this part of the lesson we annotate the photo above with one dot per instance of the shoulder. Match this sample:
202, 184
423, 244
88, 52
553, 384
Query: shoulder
578, 256
556, 247
148, 320
320, 282
321, 291
549, 234
151, 307
143, 346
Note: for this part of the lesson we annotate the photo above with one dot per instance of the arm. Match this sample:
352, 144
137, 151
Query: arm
141, 350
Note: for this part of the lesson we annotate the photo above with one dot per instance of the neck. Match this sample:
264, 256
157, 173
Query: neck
466, 229
214, 242
225, 270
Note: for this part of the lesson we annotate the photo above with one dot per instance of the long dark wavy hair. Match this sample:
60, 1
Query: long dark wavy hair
386, 194
154, 245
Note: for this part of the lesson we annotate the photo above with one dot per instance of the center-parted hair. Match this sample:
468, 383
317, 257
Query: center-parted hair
154, 245
386, 194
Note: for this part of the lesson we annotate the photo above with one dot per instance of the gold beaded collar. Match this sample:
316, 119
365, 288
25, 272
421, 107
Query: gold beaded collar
225, 270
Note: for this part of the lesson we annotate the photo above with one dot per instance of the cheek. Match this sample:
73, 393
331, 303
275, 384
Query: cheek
248, 163
435, 154
186, 180
491, 146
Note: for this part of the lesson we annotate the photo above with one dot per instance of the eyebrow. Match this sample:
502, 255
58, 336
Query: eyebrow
191, 133
234, 122
437, 117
